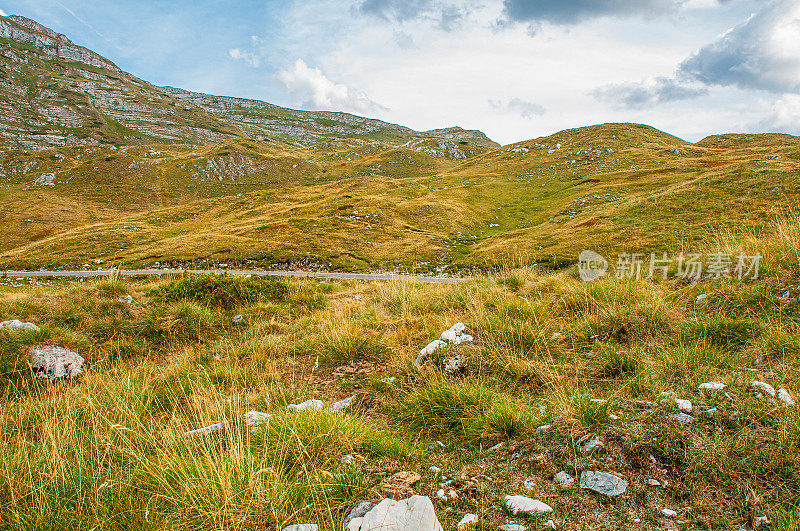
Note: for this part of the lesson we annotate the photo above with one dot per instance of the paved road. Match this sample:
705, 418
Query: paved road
301, 274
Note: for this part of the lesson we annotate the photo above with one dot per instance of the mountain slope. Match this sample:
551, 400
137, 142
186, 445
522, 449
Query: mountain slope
168, 175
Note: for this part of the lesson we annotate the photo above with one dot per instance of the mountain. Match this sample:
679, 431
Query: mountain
100, 165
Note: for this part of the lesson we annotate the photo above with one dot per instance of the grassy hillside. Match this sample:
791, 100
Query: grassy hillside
599, 360
367, 205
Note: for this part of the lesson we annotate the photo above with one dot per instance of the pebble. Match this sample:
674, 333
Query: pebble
681, 417
237, 319
529, 484
467, 521
711, 386
512, 527
763, 387
308, 405
683, 405
669, 513
564, 479
591, 445
785, 397
127, 299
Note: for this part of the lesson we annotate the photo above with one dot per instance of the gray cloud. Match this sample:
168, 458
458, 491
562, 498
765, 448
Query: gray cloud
448, 16
762, 53
566, 12
647, 93
526, 109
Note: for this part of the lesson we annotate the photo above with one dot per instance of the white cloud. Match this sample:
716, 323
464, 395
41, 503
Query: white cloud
321, 93
526, 109
784, 116
3, 13
250, 57
647, 93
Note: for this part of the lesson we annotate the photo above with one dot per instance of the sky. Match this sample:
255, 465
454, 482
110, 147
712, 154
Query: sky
514, 69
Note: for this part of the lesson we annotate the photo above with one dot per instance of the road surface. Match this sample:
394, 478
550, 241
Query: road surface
238, 272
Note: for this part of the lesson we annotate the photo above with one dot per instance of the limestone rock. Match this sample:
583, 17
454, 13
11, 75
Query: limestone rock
468, 520
603, 483
564, 479
16, 325
415, 513
524, 505
219, 426
454, 365
763, 387
429, 349
683, 405
53, 362
301, 527
785, 397
342, 404
256, 418
711, 386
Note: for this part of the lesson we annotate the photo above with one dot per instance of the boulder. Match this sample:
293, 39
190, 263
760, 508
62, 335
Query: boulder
603, 483
524, 505
16, 325
356, 515
415, 513
53, 362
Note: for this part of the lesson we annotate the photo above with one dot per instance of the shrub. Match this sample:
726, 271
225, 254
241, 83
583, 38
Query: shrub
222, 290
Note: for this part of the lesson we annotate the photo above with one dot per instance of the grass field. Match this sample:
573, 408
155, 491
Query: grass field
603, 359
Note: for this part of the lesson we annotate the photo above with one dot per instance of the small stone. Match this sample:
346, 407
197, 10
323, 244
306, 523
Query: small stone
550, 524
669, 513
429, 349
524, 505
496, 447
653, 482
683, 405
592, 445
127, 299
237, 319
342, 404
436, 445
468, 520
348, 459
15, 325
761, 522
512, 527
529, 484
544, 427
301, 527
563, 479
785, 397
256, 418
435, 469
454, 364
389, 379
219, 426
357, 298
711, 386
308, 405
763, 387
603, 483
53, 362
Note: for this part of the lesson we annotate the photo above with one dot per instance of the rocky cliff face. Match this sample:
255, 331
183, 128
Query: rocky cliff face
55, 93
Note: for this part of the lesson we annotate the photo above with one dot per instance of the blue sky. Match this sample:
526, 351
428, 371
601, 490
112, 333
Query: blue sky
515, 69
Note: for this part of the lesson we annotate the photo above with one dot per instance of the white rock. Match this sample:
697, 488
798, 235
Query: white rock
454, 364
524, 505
308, 405
603, 483
761, 521
342, 404
301, 527
435, 469
681, 418
219, 426
52, 362
15, 325
354, 519
348, 459
416, 513
669, 513
784, 396
127, 299
763, 387
529, 484
563, 479
711, 386
237, 319
429, 349
512, 527
256, 418
544, 427
468, 520
683, 405
452, 334
550, 524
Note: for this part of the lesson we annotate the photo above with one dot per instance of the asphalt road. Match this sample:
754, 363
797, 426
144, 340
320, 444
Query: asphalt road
238, 272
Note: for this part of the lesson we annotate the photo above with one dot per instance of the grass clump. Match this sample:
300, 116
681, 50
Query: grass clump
222, 291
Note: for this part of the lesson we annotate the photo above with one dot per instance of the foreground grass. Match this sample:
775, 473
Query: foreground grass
604, 358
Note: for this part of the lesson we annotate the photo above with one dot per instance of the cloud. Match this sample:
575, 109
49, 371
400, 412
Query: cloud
647, 93
762, 53
526, 109
784, 116
447, 16
568, 12
250, 57
323, 94
3, 13
404, 40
